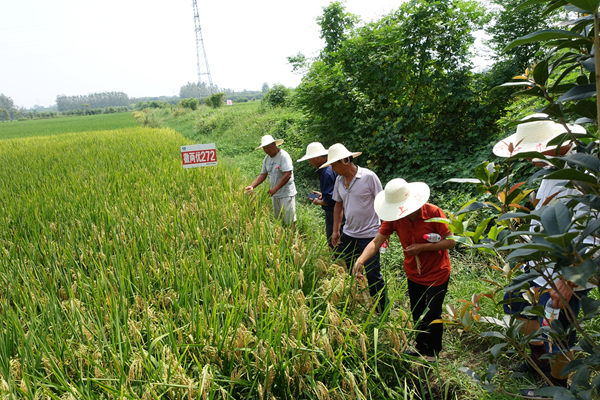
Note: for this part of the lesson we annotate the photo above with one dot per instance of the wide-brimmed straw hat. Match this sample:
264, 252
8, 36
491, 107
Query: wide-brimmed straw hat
338, 152
400, 198
533, 136
313, 150
267, 140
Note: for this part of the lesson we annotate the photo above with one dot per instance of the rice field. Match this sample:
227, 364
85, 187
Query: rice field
55, 126
122, 275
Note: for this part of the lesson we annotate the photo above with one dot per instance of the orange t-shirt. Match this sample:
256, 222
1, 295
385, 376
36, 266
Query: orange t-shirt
435, 265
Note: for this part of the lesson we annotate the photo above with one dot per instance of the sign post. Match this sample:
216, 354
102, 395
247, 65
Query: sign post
199, 155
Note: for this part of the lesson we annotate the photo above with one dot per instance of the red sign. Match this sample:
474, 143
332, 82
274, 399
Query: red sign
199, 155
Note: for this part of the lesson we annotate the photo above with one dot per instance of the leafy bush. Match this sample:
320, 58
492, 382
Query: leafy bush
277, 96
192, 103
215, 100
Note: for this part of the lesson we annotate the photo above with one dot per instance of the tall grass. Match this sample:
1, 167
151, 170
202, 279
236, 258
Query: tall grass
124, 276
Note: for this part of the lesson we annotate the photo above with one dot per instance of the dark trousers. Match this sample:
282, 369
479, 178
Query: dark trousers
430, 298
350, 249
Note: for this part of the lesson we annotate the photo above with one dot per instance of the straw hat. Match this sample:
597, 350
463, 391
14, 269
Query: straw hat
400, 198
533, 136
313, 150
338, 152
268, 139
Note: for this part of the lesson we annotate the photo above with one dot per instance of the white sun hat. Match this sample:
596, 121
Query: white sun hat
533, 136
400, 198
313, 150
338, 152
267, 140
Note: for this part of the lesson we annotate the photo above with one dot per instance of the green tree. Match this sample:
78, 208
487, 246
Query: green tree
215, 100
335, 23
277, 96
401, 89
7, 104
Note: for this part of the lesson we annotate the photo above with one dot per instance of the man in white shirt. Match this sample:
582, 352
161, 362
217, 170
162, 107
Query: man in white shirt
277, 165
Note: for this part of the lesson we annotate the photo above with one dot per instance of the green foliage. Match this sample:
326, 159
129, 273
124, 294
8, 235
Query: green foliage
4, 115
61, 125
92, 101
192, 103
335, 23
560, 234
215, 100
410, 108
277, 96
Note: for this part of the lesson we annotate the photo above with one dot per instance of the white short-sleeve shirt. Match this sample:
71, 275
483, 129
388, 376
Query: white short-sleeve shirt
274, 167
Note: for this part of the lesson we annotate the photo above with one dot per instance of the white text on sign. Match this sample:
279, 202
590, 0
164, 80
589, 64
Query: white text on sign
199, 155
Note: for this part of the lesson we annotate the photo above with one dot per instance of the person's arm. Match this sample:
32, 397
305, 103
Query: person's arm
284, 179
369, 251
416, 248
259, 179
338, 212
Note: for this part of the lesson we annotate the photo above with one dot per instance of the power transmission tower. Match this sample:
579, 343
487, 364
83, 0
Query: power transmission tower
201, 52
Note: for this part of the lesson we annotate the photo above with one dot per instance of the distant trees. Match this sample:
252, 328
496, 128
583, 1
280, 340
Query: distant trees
197, 90
7, 108
92, 101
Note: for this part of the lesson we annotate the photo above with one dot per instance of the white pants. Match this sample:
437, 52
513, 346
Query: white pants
285, 208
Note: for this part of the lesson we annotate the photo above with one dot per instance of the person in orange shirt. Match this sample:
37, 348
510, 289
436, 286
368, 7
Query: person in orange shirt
403, 208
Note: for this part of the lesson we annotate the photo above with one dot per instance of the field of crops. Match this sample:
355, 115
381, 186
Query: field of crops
54, 126
123, 275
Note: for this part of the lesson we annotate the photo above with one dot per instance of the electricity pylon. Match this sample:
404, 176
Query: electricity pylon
200, 51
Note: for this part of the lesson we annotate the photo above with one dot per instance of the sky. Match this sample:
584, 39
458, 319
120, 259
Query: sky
148, 47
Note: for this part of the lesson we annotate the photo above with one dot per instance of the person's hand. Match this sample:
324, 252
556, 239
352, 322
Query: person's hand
565, 290
272, 191
249, 189
415, 248
357, 270
335, 238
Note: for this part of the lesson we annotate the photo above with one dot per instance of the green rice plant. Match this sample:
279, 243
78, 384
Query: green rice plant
122, 275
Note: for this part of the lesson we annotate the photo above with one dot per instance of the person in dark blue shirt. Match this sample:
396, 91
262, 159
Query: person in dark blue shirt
316, 155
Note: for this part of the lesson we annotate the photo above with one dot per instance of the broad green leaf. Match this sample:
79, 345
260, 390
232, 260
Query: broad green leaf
461, 239
580, 274
580, 92
495, 349
542, 36
512, 215
563, 239
480, 228
590, 6
556, 218
478, 205
590, 307
555, 392
572, 175
540, 72
520, 253
587, 161
438, 219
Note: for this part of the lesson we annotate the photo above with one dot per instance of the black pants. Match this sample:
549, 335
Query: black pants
350, 249
429, 340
